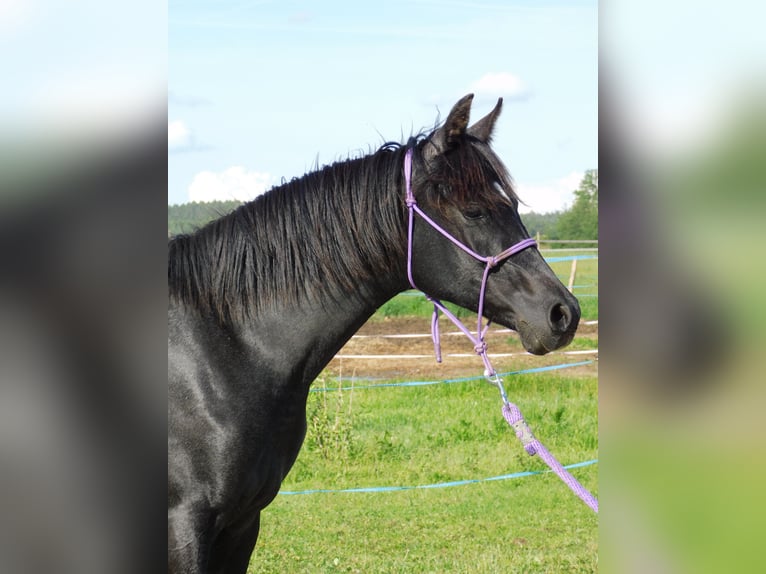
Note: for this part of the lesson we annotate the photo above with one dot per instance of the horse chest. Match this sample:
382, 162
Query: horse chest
267, 446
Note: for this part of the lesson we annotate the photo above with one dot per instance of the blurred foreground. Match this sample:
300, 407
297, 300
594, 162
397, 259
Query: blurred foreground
83, 178
683, 277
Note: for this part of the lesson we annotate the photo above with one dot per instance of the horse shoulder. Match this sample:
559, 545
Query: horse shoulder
235, 424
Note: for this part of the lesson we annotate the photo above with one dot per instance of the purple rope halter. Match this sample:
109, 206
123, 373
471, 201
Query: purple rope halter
511, 412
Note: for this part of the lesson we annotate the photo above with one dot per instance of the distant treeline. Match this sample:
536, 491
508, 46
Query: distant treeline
543, 223
187, 217
580, 221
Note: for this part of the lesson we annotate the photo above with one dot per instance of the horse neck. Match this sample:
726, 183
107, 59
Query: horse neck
333, 232
309, 262
351, 259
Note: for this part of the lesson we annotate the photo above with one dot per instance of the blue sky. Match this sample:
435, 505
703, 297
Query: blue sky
260, 91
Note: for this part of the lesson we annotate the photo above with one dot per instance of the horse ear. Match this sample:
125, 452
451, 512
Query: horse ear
455, 126
482, 130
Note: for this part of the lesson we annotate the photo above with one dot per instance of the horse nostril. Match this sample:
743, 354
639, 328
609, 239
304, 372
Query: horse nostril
560, 317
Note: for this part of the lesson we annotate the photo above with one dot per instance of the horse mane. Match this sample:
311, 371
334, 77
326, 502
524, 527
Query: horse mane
333, 225
332, 228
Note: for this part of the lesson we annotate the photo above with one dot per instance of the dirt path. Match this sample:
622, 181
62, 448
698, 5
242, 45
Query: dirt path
378, 350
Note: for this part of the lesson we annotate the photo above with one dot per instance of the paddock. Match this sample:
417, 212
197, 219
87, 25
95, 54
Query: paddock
408, 465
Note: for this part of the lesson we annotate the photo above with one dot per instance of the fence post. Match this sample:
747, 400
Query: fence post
572, 275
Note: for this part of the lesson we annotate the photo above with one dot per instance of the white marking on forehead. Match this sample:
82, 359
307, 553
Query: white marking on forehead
501, 191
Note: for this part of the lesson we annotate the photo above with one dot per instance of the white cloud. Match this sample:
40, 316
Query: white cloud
545, 197
501, 84
179, 135
235, 182
486, 90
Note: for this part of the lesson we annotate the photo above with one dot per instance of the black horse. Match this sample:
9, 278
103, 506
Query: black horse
263, 298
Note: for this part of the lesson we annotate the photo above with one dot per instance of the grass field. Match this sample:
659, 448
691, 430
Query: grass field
415, 436
426, 435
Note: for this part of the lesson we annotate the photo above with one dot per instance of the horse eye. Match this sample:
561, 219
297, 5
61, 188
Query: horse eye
474, 213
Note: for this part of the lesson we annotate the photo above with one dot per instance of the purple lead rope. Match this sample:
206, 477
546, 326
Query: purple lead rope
511, 412
513, 415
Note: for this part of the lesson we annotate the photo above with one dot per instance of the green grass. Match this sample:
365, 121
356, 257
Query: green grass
414, 304
424, 435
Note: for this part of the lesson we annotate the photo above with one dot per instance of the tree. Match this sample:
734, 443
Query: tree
546, 224
581, 220
187, 217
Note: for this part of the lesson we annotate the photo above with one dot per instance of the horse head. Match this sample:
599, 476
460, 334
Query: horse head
463, 187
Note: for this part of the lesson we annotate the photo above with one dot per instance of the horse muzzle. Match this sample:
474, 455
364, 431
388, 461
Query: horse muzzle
554, 330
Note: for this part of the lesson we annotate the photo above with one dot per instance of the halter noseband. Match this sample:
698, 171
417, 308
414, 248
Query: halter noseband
489, 262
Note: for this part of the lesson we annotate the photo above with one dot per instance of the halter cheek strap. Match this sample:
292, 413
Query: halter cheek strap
489, 262
511, 412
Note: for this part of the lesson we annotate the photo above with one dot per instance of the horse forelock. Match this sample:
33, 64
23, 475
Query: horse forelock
471, 172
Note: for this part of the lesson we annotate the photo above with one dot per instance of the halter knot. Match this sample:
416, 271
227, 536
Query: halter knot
492, 261
480, 348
